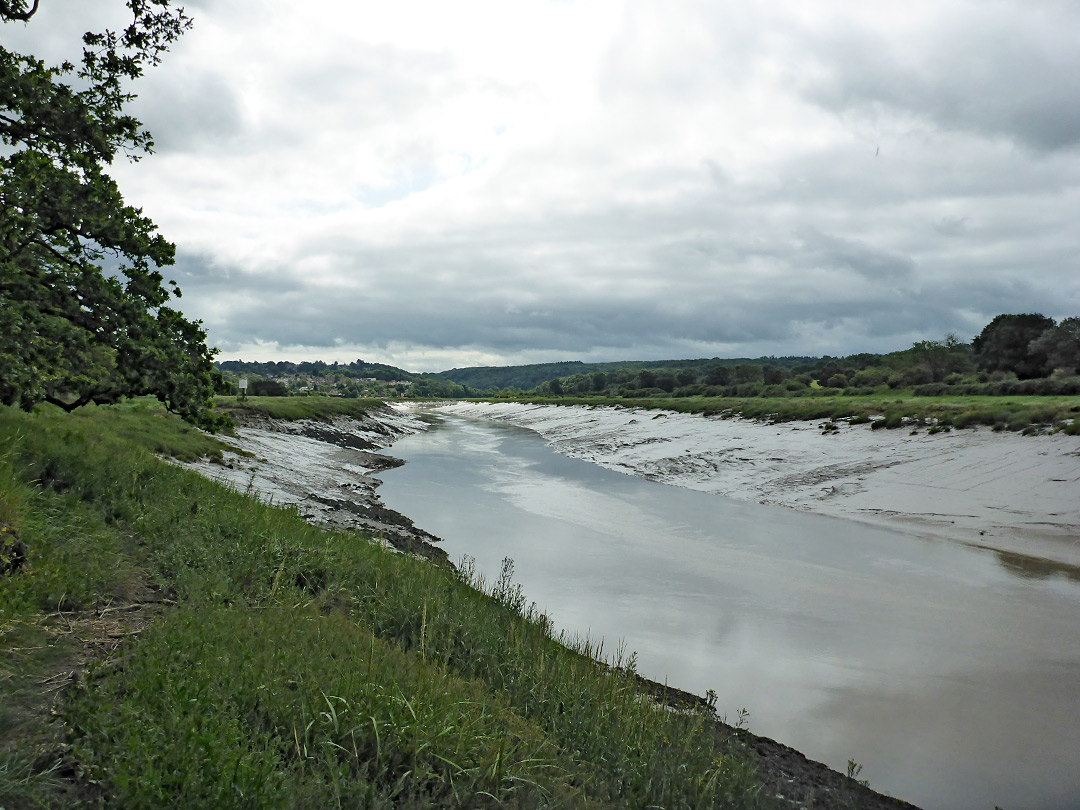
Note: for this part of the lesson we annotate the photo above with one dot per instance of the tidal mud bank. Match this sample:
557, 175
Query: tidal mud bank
324, 469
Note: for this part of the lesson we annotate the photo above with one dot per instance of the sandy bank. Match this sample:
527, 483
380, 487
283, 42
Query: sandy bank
1014, 494
324, 469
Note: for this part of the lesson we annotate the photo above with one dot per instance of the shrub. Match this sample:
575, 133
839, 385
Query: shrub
870, 377
694, 390
836, 381
931, 390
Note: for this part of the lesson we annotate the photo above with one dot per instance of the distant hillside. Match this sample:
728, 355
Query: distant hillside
524, 378
317, 368
527, 377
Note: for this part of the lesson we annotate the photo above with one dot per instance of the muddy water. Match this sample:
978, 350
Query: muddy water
951, 674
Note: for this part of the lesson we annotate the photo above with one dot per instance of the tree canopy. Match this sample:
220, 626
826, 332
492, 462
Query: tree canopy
1060, 346
1007, 343
83, 301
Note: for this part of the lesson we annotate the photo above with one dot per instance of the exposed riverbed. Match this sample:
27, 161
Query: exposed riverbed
951, 673
1013, 493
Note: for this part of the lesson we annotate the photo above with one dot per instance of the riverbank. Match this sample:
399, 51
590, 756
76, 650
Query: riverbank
1010, 493
323, 467
166, 641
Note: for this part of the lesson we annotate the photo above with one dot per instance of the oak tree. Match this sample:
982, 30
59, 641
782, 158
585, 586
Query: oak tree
1006, 344
84, 307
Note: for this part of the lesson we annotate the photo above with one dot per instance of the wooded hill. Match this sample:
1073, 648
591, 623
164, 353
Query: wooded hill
528, 377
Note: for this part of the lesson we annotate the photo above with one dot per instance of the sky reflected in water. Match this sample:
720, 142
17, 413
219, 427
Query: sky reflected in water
952, 674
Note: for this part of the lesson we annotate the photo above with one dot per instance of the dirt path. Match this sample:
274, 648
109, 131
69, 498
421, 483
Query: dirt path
44, 661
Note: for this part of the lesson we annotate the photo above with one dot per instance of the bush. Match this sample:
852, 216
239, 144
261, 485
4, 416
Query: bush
870, 377
891, 421
750, 389
931, 390
267, 388
836, 381
694, 390
916, 375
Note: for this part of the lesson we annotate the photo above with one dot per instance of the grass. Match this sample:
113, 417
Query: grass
291, 408
281, 665
892, 410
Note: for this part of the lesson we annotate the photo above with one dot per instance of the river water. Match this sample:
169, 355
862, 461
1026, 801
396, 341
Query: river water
951, 674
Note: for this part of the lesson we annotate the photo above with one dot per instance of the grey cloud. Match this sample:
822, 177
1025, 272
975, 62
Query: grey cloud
1009, 71
450, 299
188, 112
827, 251
951, 226
622, 243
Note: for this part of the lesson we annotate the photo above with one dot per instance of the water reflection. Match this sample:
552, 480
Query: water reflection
1036, 568
952, 674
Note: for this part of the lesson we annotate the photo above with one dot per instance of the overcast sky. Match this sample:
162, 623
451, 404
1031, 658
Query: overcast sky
437, 184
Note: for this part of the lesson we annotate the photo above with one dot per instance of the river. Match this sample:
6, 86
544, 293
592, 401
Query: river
951, 674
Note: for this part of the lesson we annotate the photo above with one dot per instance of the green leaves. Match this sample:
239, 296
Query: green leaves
75, 334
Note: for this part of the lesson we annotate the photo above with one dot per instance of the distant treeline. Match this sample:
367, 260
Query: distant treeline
316, 368
1014, 354
527, 378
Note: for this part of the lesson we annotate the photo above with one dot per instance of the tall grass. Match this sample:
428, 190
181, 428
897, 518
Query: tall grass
307, 668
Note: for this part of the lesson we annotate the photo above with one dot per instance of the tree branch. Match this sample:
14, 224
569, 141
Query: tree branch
67, 406
7, 10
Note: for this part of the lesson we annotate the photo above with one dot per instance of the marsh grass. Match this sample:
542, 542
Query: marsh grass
298, 667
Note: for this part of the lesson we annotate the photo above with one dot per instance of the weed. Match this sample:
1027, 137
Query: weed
853, 771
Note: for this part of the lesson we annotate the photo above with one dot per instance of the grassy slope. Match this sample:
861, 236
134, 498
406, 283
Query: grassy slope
228, 654
295, 407
1003, 413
